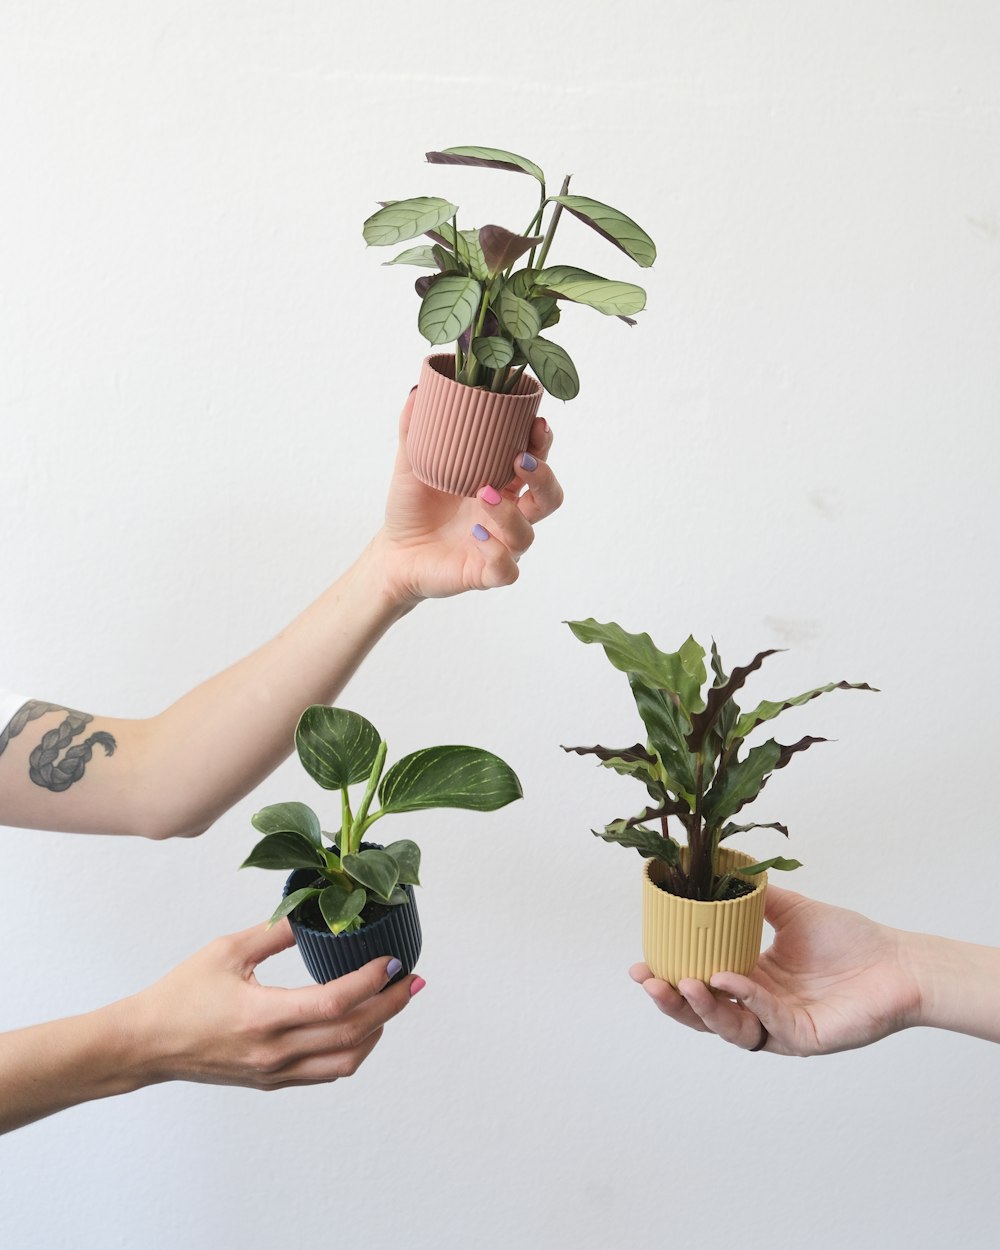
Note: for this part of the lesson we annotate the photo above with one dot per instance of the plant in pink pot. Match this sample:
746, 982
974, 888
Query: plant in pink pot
702, 903
492, 292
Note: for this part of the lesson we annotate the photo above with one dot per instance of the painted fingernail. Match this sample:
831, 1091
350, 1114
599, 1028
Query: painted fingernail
480, 533
528, 462
392, 967
416, 985
412, 389
490, 495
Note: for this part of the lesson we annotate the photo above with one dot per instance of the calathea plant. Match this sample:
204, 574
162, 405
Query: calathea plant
494, 291
340, 749
692, 763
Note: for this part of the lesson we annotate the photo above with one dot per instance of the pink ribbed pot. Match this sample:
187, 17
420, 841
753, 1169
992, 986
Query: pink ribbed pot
462, 438
684, 938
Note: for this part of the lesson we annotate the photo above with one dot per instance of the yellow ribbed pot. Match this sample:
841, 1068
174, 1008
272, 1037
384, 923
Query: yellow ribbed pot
684, 938
462, 438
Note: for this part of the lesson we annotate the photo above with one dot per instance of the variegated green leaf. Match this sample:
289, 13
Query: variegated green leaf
285, 851
407, 857
681, 672
488, 158
766, 711
614, 299
552, 365
493, 352
422, 256
618, 229
666, 725
405, 219
373, 869
743, 781
720, 695
337, 747
517, 315
448, 309
647, 842
449, 776
288, 818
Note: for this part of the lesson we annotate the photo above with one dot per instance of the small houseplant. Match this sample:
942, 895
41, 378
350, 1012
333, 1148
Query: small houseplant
703, 903
351, 900
492, 293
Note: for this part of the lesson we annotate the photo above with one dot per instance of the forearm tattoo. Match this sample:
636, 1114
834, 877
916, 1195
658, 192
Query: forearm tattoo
45, 768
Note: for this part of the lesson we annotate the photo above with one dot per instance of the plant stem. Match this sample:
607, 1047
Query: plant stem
373, 779
512, 380
346, 822
536, 221
550, 233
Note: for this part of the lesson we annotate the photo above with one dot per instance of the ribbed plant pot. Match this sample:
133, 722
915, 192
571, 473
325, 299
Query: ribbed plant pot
685, 938
329, 955
462, 438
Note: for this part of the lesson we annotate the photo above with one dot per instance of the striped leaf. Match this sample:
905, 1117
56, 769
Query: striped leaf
337, 748
494, 352
517, 316
405, 219
614, 299
613, 225
552, 366
487, 158
449, 776
448, 309
423, 256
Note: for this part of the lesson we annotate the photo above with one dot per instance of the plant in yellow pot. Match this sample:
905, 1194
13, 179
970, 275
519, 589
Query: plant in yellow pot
703, 903
492, 292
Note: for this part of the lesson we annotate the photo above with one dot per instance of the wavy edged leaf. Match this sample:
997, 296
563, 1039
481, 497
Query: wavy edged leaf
721, 694
406, 219
337, 748
666, 726
289, 903
423, 256
613, 225
681, 672
285, 851
743, 781
518, 316
501, 247
647, 842
448, 308
449, 776
606, 295
633, 761
766, 711
340, 907
487, 158
375, 870
729, 830
407, 857
493, 352
552, 366
782, 865
288, 818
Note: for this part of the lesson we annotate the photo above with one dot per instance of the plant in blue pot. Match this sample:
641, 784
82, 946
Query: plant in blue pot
348, 899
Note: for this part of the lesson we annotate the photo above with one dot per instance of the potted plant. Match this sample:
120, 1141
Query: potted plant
352, 900
492, 293
703, 903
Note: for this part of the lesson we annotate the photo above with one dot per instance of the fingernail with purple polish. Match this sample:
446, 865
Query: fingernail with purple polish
392, 967
528, 462
480, 533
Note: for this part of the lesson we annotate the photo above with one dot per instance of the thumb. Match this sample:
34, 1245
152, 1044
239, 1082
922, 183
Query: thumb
253, 946
749, 994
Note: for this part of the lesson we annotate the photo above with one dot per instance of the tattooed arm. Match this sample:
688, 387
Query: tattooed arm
177, 772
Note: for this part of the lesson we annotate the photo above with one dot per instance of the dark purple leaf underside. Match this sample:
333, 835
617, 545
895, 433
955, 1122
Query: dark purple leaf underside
719, 696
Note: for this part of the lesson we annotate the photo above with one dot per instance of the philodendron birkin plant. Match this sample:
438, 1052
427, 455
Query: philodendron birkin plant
493, 290
341, 885
697, 771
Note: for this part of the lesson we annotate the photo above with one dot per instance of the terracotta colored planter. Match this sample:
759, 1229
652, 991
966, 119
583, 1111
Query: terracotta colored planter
462, 438
684, 938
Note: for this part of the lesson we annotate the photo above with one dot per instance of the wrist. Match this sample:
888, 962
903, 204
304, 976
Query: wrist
378, 565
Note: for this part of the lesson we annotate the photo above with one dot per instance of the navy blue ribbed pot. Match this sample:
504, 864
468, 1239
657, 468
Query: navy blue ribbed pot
329, 955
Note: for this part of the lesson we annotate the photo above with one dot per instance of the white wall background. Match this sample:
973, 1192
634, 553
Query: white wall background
200, 371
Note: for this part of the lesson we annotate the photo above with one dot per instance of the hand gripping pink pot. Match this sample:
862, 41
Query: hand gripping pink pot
462, 438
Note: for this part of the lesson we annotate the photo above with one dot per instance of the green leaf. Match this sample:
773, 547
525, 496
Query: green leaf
613, 225
398, 898
289, 903
766, 711
337, 747
449, 776
614, 299
647, 842
288, 818
681, 672
375, 870
448, 309
517, 315
285, 850
407, 857
494, 351
340, 906
405, 219
522, 283
552, 366
487, 158
782, 865
422, 256
743, 781
729, 830
501, 247
666, 726
720, 695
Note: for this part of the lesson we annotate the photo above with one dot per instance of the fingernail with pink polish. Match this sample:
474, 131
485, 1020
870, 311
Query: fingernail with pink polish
416, 985
528, 462
490, 495
480, 533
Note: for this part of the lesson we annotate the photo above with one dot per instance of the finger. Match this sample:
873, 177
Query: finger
407, 413
721, 1015
666, 997
640, 973
540, 439
346, 1033
544, 494
252, 946
499, 568
324, 1003
505, 521
754, 998
780, 903
323, 1067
